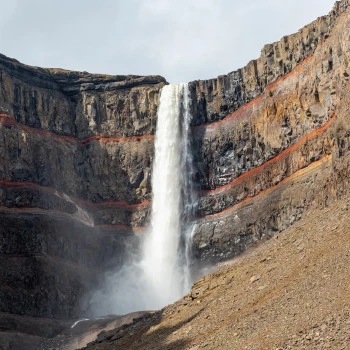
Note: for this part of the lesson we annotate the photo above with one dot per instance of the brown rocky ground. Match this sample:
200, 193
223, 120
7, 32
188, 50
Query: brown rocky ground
292, 292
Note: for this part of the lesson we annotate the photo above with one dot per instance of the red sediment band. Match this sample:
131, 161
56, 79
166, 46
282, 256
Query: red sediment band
249, 174
85, 203
299, 68
281, 156
245, 111
250, 200
240, 113
33, 210
8, 121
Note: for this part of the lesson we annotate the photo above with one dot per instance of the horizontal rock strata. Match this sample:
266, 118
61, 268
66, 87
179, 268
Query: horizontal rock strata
214, 99
76, 151
297, 122
79, 104
269, 142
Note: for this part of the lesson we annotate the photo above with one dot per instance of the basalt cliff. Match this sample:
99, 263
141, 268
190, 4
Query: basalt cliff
270, 144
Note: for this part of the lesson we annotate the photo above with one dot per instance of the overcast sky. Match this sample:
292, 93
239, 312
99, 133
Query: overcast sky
182, 40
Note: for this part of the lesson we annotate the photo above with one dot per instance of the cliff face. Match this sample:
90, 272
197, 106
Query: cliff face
280, 147
76, 151
270, 141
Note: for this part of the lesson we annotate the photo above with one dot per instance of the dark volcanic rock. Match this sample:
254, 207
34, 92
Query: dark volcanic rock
270, 141
79, 104
248, 162
76, 151
214, 99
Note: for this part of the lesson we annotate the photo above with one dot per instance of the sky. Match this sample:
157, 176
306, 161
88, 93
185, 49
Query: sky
182, 40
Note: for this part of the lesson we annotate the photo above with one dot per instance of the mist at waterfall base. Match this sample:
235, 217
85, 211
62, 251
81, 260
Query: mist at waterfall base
158, 272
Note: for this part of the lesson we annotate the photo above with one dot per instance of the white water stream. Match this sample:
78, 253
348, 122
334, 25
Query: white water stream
162, 274
164, 262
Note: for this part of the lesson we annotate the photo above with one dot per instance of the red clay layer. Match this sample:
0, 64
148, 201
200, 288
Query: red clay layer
75, 200
241, 112
8, 121
244, 202
281, 156
237, 181
250, 200
246, 110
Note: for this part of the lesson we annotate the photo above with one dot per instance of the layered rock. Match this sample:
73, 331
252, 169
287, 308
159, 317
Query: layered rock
247, 161
269, 142
214, 99
79, 104
76, 151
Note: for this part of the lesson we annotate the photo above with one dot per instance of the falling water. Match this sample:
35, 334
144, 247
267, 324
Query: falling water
161, 273
165, 247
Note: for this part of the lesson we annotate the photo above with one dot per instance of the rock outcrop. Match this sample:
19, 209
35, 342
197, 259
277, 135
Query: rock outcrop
270, 142
262, 165
76, 151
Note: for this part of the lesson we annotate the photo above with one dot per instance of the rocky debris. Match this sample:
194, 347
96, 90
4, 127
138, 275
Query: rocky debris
137, 326
273, 297
254, 278
332, 333
85, 331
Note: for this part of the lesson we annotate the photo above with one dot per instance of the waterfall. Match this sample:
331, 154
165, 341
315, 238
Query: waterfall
165, 250
161, 273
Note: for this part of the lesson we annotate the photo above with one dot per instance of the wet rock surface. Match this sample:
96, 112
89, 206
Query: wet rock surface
85, 331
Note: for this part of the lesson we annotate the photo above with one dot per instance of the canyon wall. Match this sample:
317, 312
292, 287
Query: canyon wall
269, 138
269, 141
76, 151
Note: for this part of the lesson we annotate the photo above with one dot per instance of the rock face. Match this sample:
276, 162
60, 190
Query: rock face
277, 139
270, 141
288, 293
76, 151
